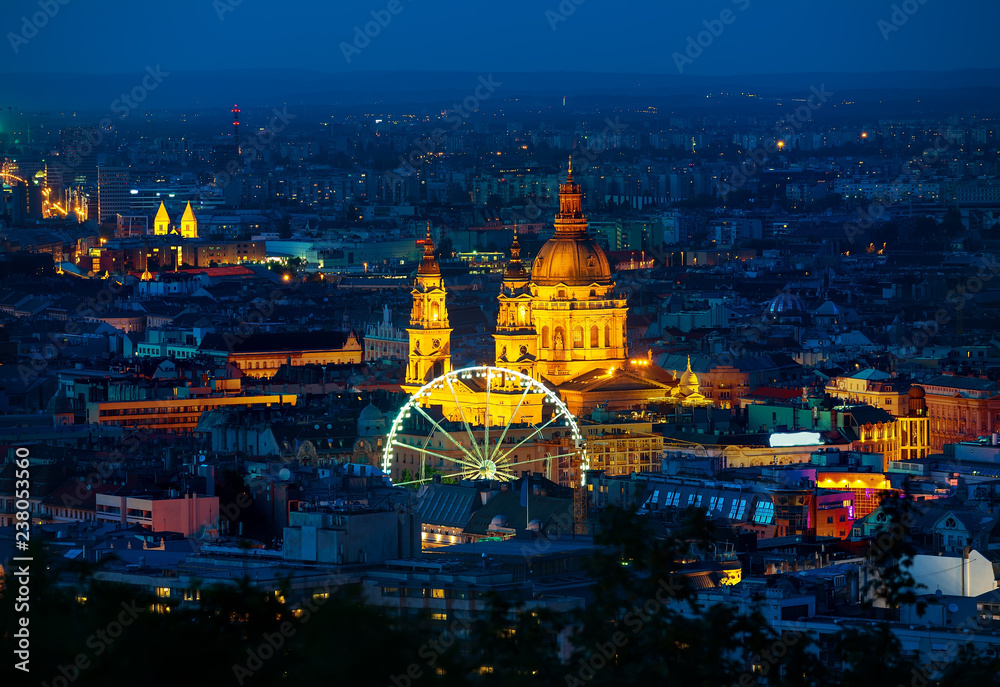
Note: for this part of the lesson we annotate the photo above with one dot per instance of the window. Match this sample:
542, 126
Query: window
764, 513
742, 510
829, 520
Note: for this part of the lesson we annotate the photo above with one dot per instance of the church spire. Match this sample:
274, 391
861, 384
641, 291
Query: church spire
515, 268
570, 219
429, 266
161, 224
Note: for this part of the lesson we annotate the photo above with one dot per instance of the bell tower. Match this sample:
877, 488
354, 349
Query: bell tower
189, 224
161, 225
429, 332
516, 340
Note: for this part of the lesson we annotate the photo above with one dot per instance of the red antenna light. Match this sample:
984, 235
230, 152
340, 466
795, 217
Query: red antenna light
236, 129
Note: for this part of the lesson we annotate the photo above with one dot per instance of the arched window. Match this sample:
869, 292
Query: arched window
594, 337
435, 312
545, 337
562, 293
607, 336
578, 337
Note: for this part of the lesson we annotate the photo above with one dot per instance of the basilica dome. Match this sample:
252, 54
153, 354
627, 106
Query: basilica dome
571, 260
571, 256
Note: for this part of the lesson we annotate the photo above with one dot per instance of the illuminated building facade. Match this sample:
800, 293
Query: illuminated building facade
385, 341
562, 324
261, 355
175, 415
625, 452
961, 408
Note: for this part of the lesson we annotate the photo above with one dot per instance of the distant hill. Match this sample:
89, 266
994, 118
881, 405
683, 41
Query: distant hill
195, 90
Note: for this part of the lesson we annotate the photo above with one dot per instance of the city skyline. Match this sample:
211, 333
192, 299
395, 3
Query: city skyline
555, 343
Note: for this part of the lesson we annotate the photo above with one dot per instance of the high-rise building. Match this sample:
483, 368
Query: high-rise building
112, 193
77, 159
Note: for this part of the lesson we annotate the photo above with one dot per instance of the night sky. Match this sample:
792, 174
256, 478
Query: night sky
764, 36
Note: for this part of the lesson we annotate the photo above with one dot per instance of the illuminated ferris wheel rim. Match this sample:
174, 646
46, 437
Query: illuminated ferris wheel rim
485, 461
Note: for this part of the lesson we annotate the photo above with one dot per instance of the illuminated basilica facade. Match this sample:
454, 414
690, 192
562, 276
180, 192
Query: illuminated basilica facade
562, 323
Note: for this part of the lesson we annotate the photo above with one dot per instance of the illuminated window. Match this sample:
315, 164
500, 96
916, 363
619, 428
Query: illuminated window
764, 513
163, 592
437, 593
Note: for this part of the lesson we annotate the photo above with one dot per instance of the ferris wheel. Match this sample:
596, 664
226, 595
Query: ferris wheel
482, 422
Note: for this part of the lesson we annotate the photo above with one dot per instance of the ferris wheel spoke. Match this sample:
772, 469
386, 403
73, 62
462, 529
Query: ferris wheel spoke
465, 422
412, 481
428, 452
523, 441
513, 415
507, 466
445, 432
486, 418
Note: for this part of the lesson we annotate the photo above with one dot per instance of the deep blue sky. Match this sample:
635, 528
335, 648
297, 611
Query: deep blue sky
769, 36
